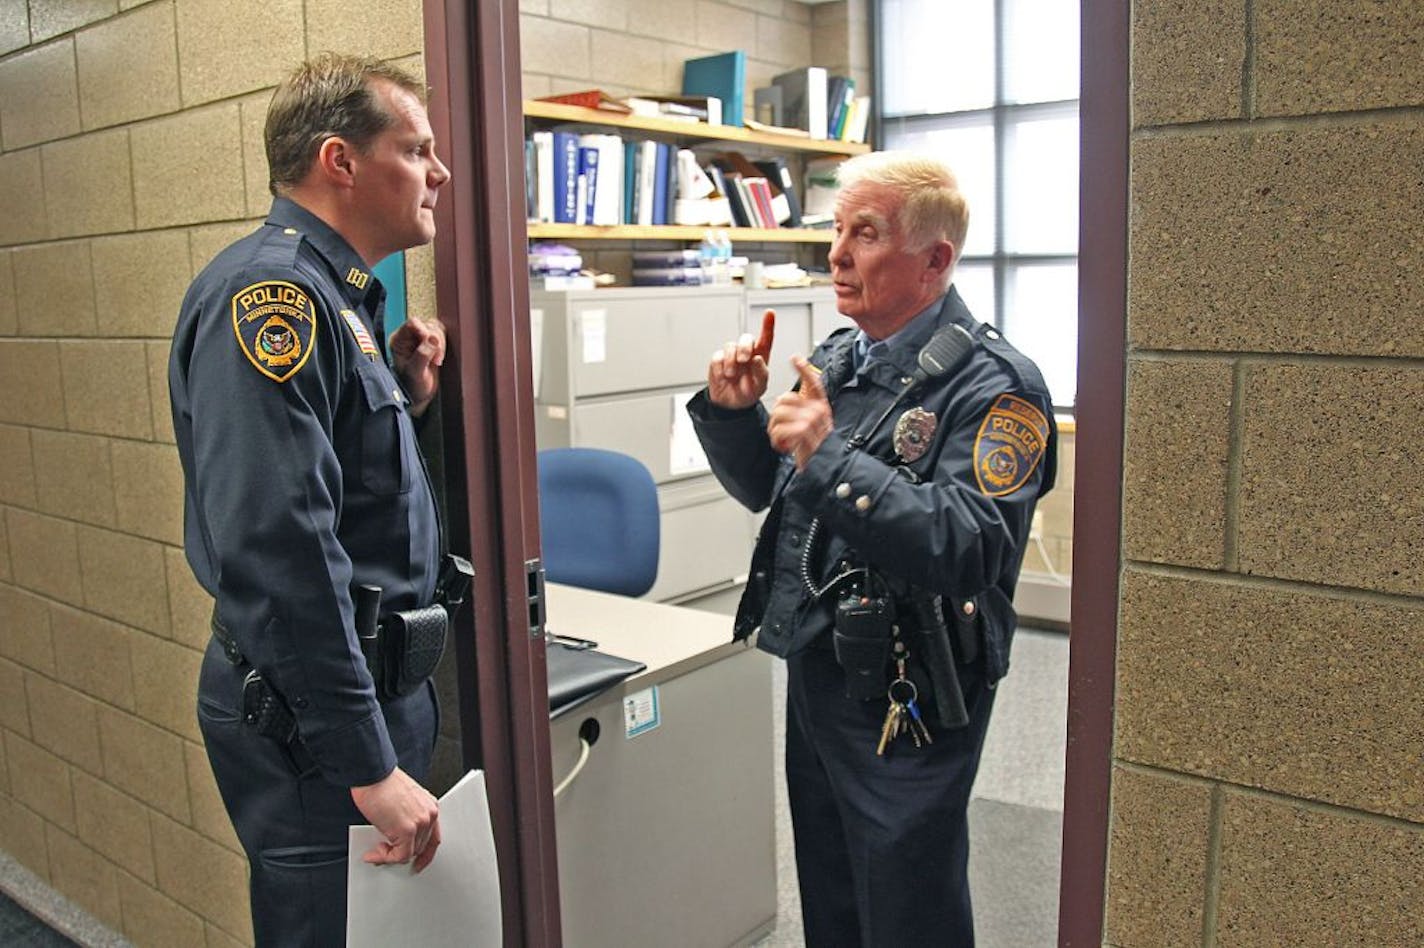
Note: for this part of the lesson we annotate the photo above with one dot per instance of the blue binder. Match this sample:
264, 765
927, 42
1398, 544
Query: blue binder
723, 75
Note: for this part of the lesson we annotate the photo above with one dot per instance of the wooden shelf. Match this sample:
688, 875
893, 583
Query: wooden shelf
553, 111
677, 232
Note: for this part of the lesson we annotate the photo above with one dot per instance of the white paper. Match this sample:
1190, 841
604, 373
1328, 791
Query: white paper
594, 326
453, 902
685, 454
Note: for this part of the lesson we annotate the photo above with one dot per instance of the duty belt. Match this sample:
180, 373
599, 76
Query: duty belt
400, 656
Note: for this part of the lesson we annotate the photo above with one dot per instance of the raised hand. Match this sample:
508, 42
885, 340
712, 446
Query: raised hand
800, 420
737, 373
418, 351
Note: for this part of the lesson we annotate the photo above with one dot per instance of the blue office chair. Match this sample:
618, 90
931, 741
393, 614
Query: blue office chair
598, 520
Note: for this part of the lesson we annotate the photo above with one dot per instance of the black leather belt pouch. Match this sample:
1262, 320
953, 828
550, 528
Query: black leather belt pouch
411, 644
265, 711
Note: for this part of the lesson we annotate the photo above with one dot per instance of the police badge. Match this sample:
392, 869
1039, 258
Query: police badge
913, 433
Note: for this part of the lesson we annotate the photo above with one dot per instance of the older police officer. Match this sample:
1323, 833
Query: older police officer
304, 481
901, 489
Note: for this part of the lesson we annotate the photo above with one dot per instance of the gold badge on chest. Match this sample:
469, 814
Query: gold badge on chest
913, 433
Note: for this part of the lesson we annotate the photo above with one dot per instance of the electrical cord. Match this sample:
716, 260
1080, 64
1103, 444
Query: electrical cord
584, 748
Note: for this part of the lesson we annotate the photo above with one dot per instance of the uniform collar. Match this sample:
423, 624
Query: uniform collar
358, 284
895, 357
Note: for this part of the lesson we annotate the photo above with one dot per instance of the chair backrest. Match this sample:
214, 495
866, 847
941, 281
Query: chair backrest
598, 520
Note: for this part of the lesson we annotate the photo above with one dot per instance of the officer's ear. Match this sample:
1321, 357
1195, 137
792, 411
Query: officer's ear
333, 161
940, 260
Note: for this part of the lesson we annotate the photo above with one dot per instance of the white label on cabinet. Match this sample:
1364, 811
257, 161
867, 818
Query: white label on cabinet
640, 712
594, 326
685, 455
557, 412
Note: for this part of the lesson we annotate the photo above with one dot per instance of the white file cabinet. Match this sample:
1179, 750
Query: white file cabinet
613, 369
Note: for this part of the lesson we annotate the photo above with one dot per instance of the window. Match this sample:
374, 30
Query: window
991, 86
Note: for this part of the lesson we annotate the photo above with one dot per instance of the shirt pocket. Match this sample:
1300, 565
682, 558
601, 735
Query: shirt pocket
385, 464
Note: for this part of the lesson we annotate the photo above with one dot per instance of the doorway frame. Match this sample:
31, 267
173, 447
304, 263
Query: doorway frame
482, 292
472, 61
1103, 182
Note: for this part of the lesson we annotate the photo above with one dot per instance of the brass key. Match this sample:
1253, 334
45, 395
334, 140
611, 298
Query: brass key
891, 728
902, 694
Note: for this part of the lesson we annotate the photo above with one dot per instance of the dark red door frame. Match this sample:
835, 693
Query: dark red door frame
472, 66
1104, 116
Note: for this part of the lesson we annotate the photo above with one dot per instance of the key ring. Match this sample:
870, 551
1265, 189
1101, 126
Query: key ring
910, 698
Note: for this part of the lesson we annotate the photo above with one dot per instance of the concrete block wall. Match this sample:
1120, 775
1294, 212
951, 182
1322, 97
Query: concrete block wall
130, 153
1268, 786
628, 46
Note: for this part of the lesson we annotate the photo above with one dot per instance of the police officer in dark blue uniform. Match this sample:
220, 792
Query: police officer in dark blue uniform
901, 475
304, 483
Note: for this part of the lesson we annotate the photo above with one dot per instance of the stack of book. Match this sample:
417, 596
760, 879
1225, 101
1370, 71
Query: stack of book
760, 193
557, 267
822, 105
677, 108
562, 175
668, 268
605, 180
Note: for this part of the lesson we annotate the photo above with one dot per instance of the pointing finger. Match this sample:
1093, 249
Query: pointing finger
811, 386
762, 347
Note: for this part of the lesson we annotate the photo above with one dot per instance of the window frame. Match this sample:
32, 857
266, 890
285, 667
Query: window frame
1002, 114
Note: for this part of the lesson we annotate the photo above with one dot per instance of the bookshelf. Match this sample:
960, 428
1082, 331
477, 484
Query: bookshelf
542, 113
798, 235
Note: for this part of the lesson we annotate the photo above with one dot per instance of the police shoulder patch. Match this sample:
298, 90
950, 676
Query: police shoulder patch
275, 323
1011, 442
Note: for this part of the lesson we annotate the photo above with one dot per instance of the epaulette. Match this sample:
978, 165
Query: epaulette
278, 247
1019, 365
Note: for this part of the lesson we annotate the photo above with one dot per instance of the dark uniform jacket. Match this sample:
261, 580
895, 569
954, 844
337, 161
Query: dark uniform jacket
943, 507
302, 473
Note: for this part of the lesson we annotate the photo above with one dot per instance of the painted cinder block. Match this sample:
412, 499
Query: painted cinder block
1306, 239
1288, 690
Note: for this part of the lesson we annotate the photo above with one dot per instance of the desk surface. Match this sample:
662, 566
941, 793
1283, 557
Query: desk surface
670, 640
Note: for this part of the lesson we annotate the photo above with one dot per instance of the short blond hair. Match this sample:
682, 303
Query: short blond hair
933, 207
330, 96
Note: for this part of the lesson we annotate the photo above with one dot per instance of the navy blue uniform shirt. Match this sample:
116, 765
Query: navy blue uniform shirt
945, 505
302, 473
